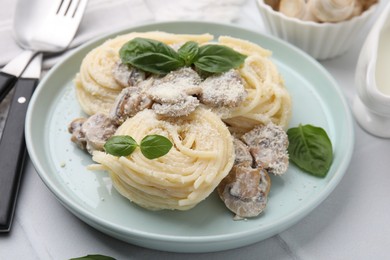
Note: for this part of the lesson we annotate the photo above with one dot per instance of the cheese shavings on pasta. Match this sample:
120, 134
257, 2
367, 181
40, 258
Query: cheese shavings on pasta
202, 155
268, 100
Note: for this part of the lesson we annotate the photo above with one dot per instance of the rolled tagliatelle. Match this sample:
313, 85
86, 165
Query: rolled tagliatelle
267, 100
96, 87
201, 156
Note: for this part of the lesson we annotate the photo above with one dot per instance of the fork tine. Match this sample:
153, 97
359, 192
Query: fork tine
79, 9
76, 6
63, 7
72, 8
59, 7
60, 25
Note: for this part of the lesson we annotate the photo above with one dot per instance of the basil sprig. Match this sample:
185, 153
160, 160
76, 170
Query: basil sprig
152, 146
158, 58
310, 149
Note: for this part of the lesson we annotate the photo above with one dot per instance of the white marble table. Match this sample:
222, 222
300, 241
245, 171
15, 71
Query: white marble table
352, 223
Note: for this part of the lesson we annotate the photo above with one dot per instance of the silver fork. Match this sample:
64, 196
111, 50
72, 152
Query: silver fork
55, 33
56, 29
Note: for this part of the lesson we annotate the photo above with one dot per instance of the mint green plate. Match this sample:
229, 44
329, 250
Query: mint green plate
209, 226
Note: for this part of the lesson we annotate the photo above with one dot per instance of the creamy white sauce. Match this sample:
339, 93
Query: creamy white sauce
382, 71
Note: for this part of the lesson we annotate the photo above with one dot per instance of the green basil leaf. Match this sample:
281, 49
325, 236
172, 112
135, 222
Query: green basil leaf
310, 149
120, 145
150, 55
94, 257
157, 57
154, 146
218, 58
139, 46
156, 63
189, 52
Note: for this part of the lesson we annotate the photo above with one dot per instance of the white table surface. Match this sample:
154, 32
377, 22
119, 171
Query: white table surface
352, 223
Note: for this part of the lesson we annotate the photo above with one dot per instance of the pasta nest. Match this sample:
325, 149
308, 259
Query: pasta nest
201, 156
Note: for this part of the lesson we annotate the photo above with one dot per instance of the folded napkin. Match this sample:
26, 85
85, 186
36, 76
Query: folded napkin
104, 16
209, 10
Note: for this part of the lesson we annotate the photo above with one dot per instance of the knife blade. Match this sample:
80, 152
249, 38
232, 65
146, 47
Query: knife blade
11, 72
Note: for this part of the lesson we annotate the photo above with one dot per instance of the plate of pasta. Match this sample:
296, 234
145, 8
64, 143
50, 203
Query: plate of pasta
161, 135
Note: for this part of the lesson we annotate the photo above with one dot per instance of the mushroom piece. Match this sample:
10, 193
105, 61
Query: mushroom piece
268, 145
92, 133
333, 10
245, 190
223, 90
182, 107
128, 103
78, 136
127, 76
242, 153
184, 81
298, 9
173, 95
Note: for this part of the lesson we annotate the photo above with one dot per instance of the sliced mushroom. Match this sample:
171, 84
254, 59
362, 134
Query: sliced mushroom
184, 81
223, 90
97, 129
268, 145
128, 103
182, 107
242, 153
127, 76
245, 190
173, 94
78, 136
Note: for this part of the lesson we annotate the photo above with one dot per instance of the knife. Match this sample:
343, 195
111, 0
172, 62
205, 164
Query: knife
12, 143
11, 72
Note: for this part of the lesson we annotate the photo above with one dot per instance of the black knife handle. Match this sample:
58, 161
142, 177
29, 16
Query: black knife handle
6, 83
13, 150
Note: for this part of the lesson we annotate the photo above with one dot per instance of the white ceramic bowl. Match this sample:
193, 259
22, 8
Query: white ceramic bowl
320, 40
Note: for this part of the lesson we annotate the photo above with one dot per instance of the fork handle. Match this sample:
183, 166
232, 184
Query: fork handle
6, 83
13, 150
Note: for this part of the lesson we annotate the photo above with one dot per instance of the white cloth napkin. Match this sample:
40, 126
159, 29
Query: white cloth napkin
210, 10
104, 16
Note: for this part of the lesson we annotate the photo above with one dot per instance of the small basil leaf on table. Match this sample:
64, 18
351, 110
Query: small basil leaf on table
120, 145
94, 257
310, 149
189, 52
218, 58
154, 146
150, 55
